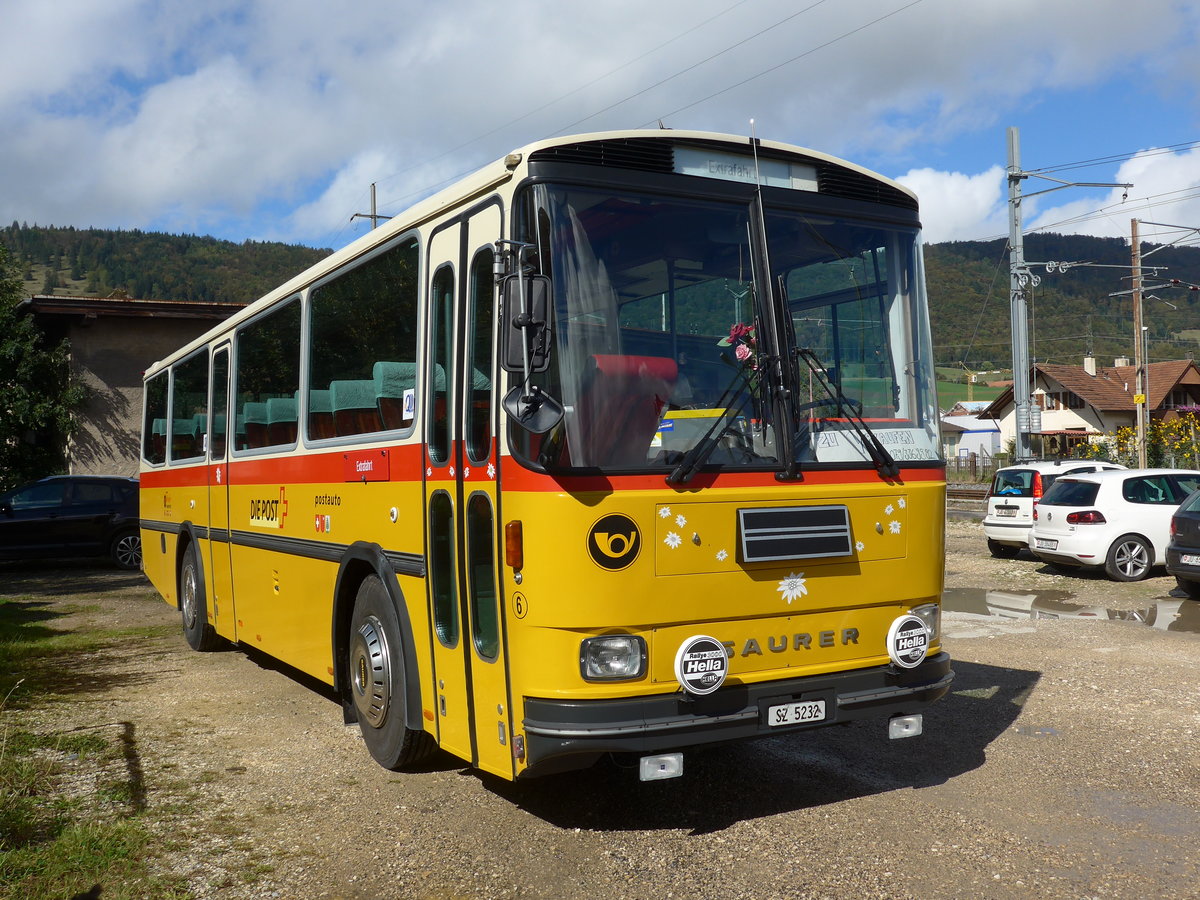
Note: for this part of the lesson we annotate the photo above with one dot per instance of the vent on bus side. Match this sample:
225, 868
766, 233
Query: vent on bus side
645, 156
794, 532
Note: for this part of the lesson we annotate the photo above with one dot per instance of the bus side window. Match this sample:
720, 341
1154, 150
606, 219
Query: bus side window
363, 349
268, 368
154, 429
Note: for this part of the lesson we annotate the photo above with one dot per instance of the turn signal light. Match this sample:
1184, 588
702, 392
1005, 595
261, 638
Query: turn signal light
514, 545
1087, 517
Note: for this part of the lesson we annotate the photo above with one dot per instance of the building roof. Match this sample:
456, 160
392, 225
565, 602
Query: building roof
95, 307
1111, 389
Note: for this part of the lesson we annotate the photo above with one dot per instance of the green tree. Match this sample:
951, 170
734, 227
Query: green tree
38, 395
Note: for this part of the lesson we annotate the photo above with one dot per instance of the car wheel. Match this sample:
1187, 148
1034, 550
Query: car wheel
1129, 559
376, 680
1191, 588
1002, 551
126, 550
193, 607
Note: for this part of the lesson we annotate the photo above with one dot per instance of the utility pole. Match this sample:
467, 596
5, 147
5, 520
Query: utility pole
1139, 362
373, 216
1019, 279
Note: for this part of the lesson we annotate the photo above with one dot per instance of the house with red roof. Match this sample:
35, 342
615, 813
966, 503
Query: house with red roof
1078, 403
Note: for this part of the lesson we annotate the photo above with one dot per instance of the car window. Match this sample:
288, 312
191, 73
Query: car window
1184, 485
1192, 503
1149, 489
1013, 483
92, 492
1071, 493
39, 496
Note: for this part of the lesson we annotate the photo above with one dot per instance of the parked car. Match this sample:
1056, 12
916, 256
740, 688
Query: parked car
1118, 520
1015, 491
1183, 552
72, 515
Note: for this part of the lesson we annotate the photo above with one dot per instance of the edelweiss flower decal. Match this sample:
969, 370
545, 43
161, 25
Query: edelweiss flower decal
860, 546
680, 520
889, 509
672, 540
793, 587
722, 556
664, 512
894, 527
902, 502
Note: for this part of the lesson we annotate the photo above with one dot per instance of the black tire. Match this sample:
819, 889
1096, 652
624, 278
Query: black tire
1191, 588
126, 550
1130, 558
1002, 551
376, 682
193, 606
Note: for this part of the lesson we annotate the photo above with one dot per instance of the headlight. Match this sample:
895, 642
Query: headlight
613, 657
931, 615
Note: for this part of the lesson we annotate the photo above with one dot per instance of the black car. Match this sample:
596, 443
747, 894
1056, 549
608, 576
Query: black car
1183, 553
72, 515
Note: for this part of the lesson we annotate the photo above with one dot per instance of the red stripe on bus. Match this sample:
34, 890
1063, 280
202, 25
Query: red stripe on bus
517, 478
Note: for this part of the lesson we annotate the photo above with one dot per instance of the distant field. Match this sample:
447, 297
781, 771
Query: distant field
950, 393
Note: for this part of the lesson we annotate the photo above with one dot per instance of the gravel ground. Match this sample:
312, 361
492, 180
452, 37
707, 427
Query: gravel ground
1063, 765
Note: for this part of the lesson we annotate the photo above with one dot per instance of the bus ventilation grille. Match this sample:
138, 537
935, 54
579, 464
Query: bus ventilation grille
839, 182
794, 532
645, 156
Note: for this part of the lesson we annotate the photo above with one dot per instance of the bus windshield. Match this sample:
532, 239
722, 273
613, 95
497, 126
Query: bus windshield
659, 354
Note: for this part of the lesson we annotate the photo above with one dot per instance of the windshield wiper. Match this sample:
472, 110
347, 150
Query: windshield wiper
699, 452
883, 460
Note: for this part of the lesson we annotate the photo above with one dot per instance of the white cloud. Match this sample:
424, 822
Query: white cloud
958, 207
261, 117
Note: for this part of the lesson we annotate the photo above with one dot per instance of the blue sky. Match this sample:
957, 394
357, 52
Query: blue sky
269, 119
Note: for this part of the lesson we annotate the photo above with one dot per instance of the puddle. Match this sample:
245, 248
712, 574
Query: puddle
1167, 614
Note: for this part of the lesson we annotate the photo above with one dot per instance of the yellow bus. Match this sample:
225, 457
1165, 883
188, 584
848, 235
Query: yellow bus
625, 444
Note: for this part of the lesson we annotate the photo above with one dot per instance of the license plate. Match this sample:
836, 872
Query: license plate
1009, 511
799, 712
1044, 544
1190, 559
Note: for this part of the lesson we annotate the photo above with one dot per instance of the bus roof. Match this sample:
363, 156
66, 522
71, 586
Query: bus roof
479, 183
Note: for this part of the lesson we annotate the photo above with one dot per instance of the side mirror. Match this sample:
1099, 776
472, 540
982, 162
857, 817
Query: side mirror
525, 324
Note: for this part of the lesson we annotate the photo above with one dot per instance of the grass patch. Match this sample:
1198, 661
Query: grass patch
71, 801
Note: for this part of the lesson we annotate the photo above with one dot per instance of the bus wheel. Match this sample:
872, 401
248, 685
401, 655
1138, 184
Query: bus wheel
192, 605
376, 680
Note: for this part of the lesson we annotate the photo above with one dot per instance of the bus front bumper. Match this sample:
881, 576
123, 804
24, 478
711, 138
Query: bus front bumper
568, 734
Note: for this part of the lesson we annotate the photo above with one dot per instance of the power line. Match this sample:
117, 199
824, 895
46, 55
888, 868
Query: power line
787, 62
695, 65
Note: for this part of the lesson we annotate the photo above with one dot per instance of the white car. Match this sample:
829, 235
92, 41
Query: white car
1015, 491
1119, 520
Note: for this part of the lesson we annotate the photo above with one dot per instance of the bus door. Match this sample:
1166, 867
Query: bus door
220, 571
461, 477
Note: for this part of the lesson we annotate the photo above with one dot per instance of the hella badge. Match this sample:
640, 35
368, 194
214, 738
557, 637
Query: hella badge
908, 642
701, 664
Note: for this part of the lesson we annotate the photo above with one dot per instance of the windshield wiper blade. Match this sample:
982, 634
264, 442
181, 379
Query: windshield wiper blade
884, 461
699, 453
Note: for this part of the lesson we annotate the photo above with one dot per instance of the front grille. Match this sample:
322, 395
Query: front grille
793, 532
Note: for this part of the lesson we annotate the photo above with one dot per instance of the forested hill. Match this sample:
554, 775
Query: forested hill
94, 262
1072, 312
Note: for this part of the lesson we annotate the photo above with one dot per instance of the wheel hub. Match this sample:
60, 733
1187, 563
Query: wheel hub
187, 597
371, 673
